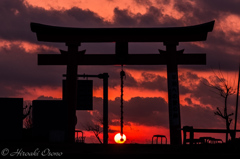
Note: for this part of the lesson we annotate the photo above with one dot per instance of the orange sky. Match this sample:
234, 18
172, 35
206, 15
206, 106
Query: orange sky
31, 93
226, 27
26, 46
104, 8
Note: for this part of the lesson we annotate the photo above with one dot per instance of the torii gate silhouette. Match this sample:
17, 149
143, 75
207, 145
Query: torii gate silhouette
170, 37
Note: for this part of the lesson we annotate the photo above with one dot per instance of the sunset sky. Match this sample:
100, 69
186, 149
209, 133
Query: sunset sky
145, 91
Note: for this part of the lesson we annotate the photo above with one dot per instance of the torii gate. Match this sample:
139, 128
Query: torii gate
170, 37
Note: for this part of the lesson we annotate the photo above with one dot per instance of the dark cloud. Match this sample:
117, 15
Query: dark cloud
227, 61
198, 89
163, 1
152, 18
20, 69
195, 11
150, 81
190, 79
153, 82
142, 111
200, 117
9, 90
230, 6
188, 100
16, 27
218, 43
143, 2
19, 15
42, 97
201, 90
147, 111
123, 18
152, 112
84, 17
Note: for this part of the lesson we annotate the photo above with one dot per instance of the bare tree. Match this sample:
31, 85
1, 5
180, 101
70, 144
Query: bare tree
26, 110
95, 128
27, 116
222, 87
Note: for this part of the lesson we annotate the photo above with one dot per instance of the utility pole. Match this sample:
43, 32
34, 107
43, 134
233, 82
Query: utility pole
236, 112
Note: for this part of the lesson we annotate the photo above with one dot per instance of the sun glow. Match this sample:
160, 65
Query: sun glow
120, 139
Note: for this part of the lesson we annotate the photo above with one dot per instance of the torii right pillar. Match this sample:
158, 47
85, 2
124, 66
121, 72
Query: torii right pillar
173, 93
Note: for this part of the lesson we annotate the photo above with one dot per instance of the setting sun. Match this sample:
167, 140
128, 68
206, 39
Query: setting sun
119, 139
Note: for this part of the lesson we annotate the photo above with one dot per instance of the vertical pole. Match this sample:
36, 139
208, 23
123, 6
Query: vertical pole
71, 91
236, 111
105, 108
122, 74
184, 135
173, 94
191, 136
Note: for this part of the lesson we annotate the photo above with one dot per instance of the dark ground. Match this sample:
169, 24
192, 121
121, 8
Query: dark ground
114, 150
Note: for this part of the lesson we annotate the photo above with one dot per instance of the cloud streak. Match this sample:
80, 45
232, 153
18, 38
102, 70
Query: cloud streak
21, 76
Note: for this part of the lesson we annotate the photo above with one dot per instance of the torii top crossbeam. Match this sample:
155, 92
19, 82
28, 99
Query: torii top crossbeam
122, 36
180, 34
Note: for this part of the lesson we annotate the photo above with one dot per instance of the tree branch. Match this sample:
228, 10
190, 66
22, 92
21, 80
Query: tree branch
219, 113
230, 114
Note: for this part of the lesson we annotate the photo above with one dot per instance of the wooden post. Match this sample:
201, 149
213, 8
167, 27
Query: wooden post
191, 135
184, 135
236, 111
105, 108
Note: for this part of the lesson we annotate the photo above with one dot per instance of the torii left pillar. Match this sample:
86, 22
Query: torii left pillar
71, 90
